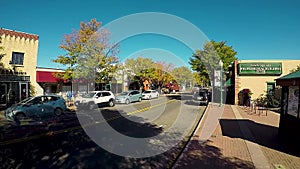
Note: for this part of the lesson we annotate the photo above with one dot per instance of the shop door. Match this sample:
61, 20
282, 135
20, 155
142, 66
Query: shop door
23, 91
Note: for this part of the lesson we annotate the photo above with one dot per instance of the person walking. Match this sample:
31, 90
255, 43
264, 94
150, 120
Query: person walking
69, 98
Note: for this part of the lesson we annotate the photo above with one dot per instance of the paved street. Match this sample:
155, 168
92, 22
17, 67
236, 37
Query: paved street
63, 143
236, 138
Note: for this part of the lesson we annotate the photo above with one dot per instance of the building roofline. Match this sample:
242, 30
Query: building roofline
49, 69
266, 60
18, 34
293, 75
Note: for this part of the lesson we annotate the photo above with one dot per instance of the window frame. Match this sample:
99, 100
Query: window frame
17, 58
270, 88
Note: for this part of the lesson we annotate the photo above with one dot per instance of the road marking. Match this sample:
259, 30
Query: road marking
149, 107
78, 127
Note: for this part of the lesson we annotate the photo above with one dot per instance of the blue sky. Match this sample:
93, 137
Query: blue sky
255, 29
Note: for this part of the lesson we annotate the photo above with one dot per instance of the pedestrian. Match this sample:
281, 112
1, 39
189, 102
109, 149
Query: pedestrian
249, 101
69, 97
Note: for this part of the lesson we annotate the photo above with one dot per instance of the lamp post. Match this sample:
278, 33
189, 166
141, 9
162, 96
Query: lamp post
221, 82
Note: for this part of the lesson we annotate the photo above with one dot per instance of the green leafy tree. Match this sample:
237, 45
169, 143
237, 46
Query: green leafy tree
183, 75
200, 80
140, 67
143, 68
206, 60
89, 53
97, 59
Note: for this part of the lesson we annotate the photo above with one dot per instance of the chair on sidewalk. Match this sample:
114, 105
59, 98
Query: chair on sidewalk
260, 107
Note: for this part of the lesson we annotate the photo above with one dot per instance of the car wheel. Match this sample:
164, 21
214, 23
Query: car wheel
58, 111
111, 103
127, 101
140, 99
20, 116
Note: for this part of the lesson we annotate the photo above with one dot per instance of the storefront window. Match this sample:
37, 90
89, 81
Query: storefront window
270, 88
293, 101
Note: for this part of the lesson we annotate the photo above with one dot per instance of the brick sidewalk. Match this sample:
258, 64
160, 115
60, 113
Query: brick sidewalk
240, 140
265, 129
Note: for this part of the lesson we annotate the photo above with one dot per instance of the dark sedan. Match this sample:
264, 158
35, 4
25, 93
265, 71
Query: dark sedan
201, 97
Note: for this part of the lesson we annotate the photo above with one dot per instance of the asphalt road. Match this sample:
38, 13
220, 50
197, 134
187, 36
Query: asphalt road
147, 134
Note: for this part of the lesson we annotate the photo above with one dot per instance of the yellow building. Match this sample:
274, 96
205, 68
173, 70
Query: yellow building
20, 60
258, 76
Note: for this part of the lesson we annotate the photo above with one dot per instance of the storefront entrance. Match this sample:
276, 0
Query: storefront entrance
23, 91
14, 87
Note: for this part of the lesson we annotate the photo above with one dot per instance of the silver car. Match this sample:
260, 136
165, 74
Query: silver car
129, 96
36, 107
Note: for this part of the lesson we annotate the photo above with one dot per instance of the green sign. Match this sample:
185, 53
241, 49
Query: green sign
264, 68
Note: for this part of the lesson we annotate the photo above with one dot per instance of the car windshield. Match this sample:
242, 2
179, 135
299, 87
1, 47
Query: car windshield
88, 95
25, 100
124, 93
147, 91
202, 93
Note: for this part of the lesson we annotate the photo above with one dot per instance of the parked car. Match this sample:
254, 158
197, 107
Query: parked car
129, 97
195, 89
96, 98
201, 96
150, 94
36, 107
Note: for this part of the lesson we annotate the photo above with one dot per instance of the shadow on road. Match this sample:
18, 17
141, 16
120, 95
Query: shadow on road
138, 128
63, 143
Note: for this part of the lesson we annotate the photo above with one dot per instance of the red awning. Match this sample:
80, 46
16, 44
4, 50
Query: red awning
44, 76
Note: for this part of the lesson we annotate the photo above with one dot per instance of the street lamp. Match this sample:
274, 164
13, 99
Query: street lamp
221, 82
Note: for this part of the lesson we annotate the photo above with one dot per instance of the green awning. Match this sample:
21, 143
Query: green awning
293, 75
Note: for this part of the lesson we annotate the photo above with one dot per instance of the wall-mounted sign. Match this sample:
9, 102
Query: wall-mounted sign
8, 78
263, 68
217, 78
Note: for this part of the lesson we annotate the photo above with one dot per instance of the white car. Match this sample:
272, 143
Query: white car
96, 98
150, 94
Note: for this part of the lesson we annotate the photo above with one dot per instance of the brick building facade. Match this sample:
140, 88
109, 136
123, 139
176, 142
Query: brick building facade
258, 77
